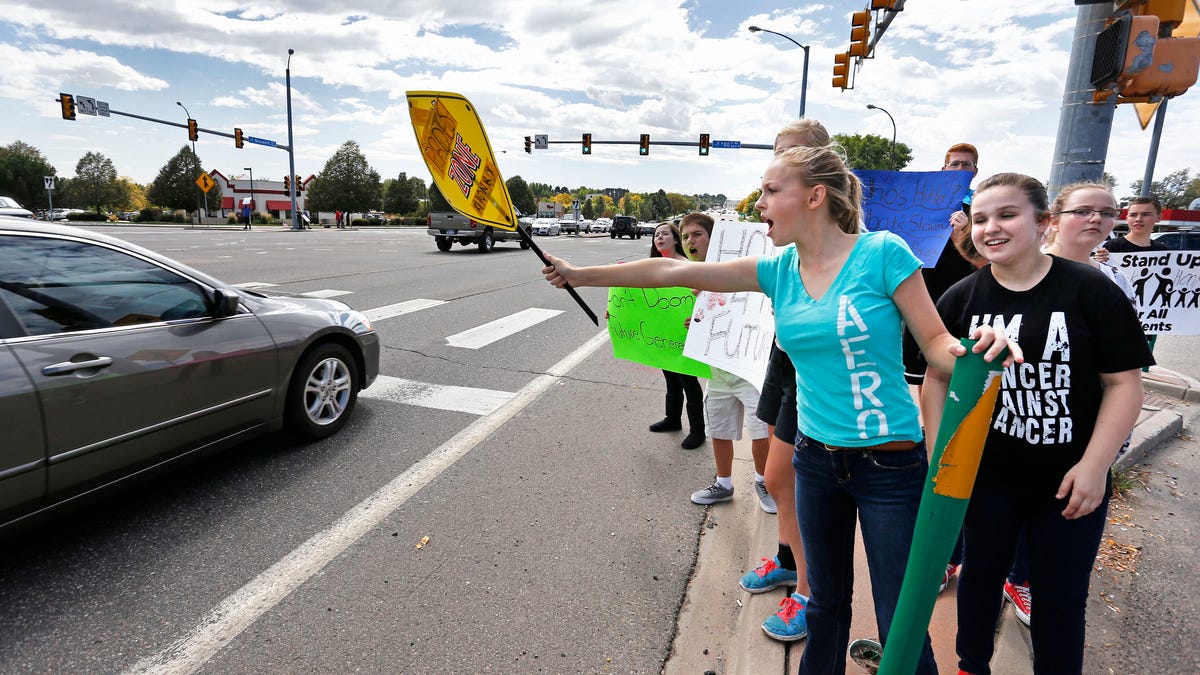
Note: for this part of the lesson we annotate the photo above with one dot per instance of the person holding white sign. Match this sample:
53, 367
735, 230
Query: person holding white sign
840, 299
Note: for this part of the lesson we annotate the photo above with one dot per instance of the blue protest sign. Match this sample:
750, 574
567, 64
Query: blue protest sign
915, 205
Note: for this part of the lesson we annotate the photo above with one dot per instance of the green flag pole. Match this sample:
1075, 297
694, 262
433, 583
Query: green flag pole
957, 450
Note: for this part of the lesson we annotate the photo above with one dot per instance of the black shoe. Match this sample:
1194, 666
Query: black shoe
693, 440
666, 424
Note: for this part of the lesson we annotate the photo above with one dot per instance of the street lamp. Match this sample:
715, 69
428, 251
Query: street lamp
804, 79
291, 150
195, 158
872, 106
250, 220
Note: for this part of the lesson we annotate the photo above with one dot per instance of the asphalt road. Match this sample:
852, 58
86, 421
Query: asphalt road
560, 535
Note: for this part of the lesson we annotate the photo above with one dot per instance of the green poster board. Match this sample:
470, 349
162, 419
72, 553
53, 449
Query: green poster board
646, 325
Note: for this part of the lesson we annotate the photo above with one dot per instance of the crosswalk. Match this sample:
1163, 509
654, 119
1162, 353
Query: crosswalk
473, 400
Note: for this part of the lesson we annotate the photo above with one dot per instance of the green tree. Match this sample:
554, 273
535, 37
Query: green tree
541, 190
522, 196
681, 203
347, 183
746, 206
589, 209
1172, 190
398, 197
22, 168
96, 182
175, 185
873, 152
421, 194
660, 205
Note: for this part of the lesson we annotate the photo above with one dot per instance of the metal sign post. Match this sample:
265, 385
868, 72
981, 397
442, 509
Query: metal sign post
49, 180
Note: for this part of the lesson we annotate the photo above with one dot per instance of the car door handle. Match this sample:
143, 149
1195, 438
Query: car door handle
72, 366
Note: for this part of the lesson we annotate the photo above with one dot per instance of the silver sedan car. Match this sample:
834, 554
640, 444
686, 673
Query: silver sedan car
116, 362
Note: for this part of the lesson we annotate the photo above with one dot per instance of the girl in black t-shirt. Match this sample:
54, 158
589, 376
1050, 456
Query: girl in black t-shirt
1062, 415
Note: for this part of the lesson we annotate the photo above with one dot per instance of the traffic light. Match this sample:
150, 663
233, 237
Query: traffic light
1134, 61
68, 106
587, 144
860, 33
237, 137
297, 183
885, 4
841, 70
644, 145
193, 132
529, 145
287, 184
703, 145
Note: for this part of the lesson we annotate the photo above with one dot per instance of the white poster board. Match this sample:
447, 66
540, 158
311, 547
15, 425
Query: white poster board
734, 331
1167, 287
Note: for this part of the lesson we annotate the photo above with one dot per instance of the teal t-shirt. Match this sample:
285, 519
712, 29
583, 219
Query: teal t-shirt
846, 345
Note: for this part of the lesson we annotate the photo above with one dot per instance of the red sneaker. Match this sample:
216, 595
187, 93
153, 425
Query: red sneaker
951, 572
1021, 600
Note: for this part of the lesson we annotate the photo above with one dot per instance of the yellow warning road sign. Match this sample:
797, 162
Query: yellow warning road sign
205, 182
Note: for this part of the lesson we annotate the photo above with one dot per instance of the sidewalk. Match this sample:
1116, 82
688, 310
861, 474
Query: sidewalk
718, 629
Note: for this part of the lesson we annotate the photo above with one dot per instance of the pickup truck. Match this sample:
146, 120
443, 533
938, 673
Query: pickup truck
447, 227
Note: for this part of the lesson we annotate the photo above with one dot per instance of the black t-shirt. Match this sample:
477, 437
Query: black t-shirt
1072, 326
1123, 245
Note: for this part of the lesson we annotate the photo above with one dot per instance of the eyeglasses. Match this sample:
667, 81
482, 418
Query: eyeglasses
1084, 214
961, 165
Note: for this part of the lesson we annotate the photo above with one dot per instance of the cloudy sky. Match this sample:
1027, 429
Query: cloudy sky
989, 73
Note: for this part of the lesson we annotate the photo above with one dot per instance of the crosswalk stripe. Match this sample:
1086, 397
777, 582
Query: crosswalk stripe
440, 397
388, 311
326, 293
484, 335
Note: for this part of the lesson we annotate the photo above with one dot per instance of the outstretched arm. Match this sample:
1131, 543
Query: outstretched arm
726, 277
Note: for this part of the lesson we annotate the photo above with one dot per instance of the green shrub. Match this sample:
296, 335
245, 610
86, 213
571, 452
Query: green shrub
233, 220
262, 219
149, 214
90, 216
180, 216
364, 222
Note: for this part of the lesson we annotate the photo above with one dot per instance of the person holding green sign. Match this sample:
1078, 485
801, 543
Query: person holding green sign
667, 244
840, 299
1062, 416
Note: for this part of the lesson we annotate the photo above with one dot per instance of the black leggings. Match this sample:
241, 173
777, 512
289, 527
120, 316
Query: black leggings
677, 386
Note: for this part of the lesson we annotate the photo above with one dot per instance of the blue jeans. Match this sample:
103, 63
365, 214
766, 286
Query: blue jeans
882, 490
1061, 553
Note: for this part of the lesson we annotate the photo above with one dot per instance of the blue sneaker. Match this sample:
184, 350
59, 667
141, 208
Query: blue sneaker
767, 576
788, 624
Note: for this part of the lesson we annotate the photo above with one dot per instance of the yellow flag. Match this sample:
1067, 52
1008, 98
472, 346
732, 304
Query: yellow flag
455, 148
1189, 27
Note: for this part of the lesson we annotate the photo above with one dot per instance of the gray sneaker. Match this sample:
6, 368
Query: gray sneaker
765, 500
712, 494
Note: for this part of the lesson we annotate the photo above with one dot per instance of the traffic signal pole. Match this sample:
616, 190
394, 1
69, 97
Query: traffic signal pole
1084, 126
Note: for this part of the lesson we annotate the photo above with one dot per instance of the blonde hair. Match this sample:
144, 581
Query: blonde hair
824, 166
811, 133
1060, 200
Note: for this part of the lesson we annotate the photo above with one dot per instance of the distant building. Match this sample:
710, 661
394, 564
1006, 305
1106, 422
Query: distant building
269, 196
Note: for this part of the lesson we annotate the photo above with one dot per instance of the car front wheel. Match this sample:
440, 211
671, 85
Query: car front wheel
486, 243
322, 392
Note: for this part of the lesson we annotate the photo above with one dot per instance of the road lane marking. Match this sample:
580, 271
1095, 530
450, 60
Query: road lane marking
438, 396
252, 284
239, 611
326, 293
389, 311
482, 336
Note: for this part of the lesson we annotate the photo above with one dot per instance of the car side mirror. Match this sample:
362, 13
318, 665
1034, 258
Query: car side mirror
225, 303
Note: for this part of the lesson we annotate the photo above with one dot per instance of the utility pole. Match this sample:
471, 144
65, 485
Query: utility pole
1084, 127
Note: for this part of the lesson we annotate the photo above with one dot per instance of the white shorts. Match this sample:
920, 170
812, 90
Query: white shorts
730, 402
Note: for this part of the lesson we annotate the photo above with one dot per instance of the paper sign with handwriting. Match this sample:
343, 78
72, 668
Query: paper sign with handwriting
646, 325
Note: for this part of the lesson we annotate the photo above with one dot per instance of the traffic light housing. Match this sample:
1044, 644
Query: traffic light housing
704, 145
193, 130
860, 33
297, 183
644, 145
885, 4
287, 184
529, 145
67, 102
1132, 60
841, 70
237, 138
587, 144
